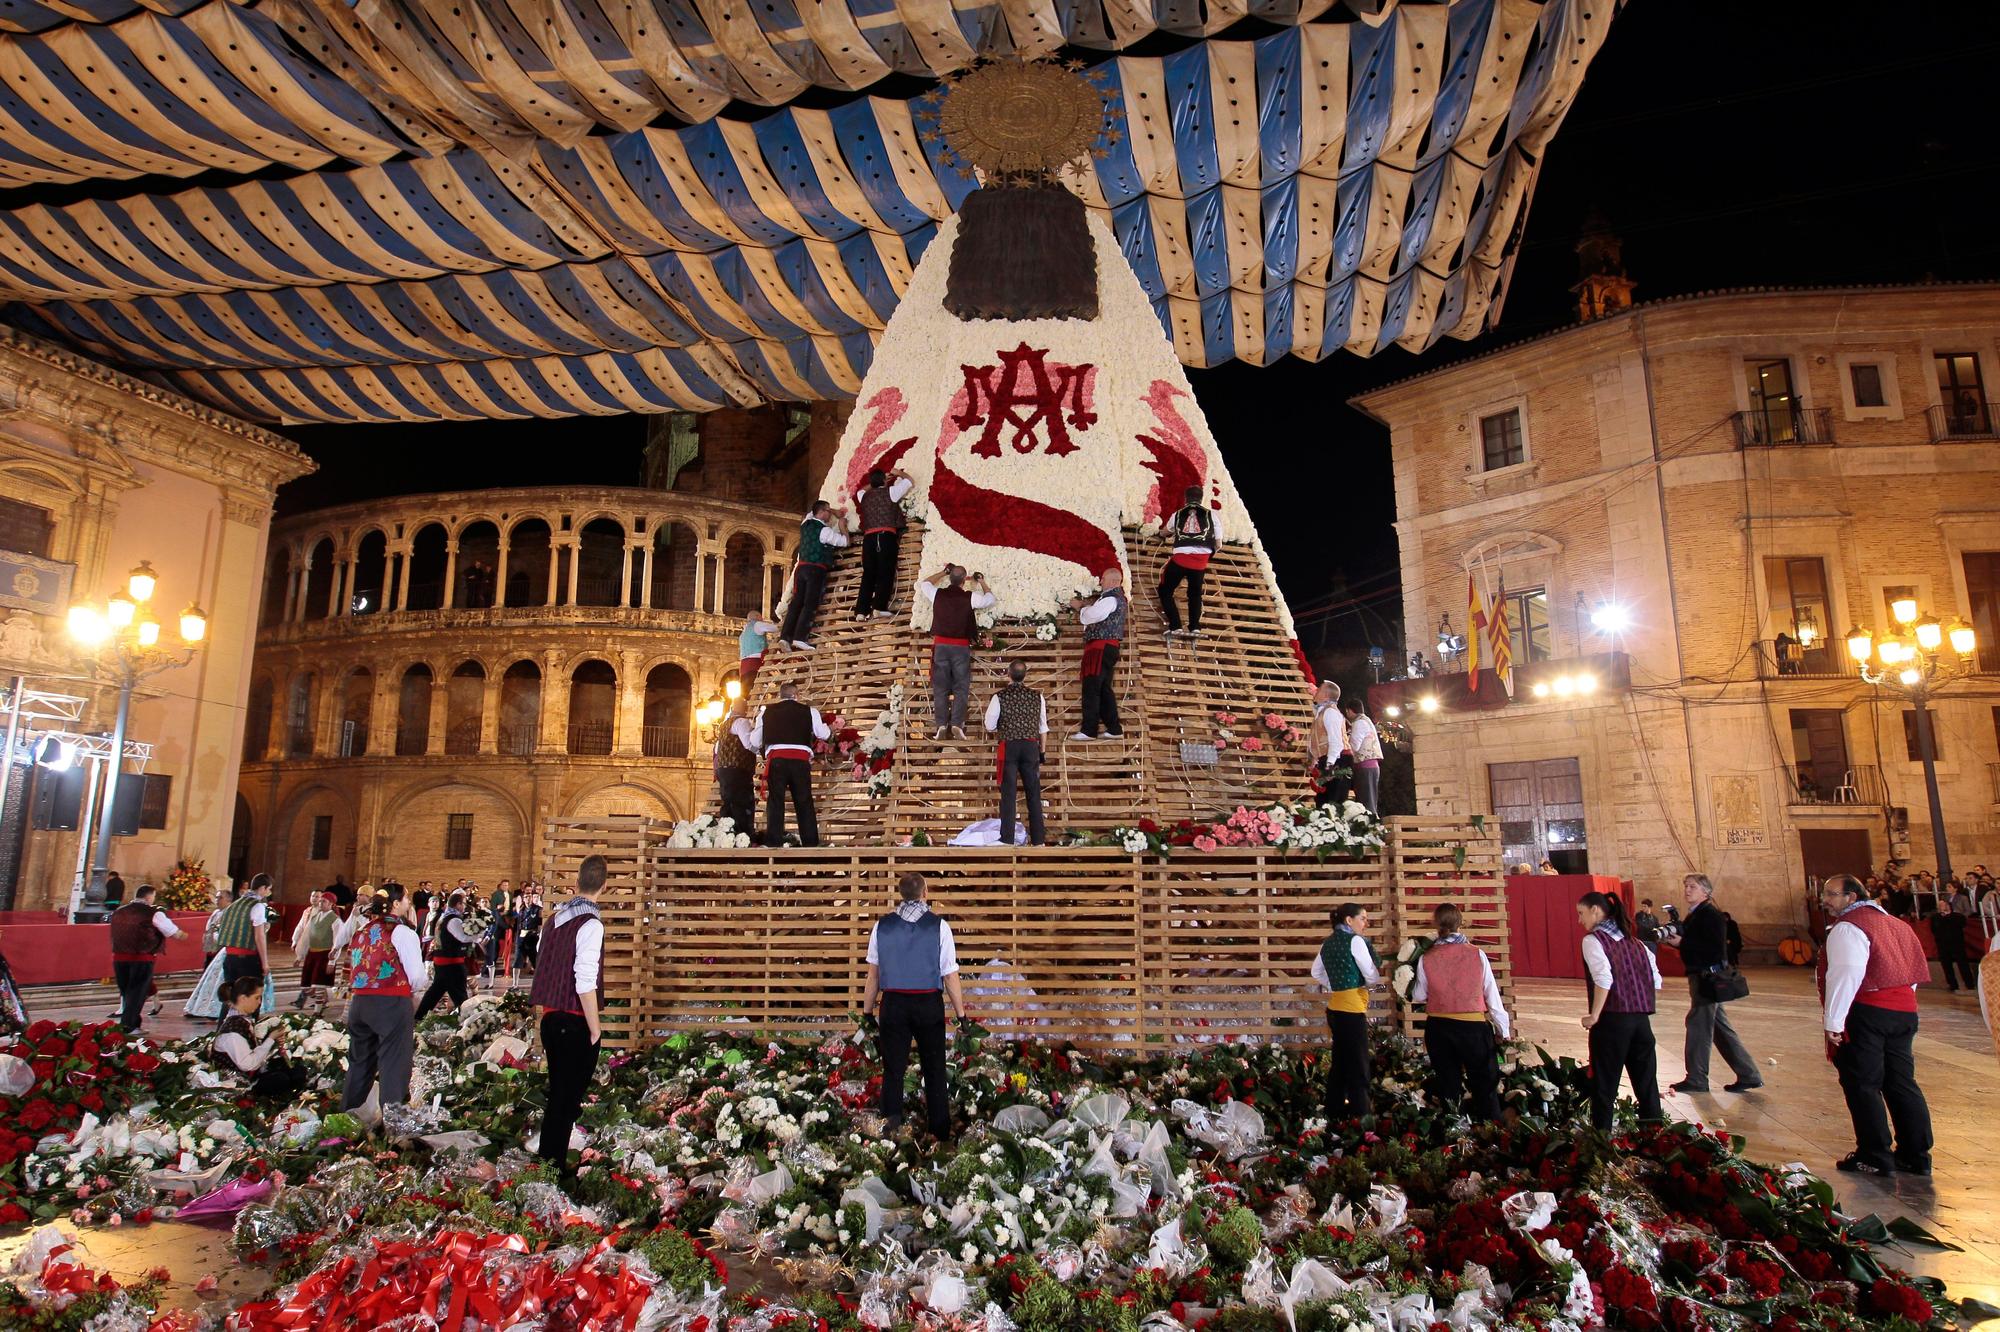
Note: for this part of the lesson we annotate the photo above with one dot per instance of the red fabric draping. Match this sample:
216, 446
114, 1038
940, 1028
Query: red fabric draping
1542, 928
54, 953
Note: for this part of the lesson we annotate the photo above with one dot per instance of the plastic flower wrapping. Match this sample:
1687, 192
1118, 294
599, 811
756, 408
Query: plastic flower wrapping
731, 1183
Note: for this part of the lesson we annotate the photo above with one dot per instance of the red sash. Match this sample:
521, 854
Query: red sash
1093, 656
1191, 559
951, 642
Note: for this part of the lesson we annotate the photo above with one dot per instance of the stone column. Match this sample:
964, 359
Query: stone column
643, 557
299, 597
701, 575
625, 578
489, 716
450, 574
721, 571
575, 565
281, 707
337, 598
627, 736
776, 567
555, 704
553, 548
403, 581
440, 711
383, 709
500, 578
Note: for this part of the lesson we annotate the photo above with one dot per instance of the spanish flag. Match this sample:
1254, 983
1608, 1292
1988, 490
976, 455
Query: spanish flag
1475, 631
1501, 640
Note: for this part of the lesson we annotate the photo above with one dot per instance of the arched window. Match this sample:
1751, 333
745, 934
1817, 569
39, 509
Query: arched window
593, 707
464, 705
257, 720
601, 562
675, 562
478, 569
521, 708
528, 563
427, 560
299, 711
742, 575
319, 581
357, 711
413, 711
371, 576
669, 698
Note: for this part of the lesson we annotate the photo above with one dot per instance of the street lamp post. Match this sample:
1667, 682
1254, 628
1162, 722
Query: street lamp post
122, 640
1913, 663
709, 715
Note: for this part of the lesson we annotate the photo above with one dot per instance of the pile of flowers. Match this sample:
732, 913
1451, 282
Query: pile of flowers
736, 1184
707, 831
1323, 831
188, 888
874, 755
1271, 731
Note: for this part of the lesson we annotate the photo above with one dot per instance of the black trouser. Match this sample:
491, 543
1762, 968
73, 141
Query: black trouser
736, 789
1623, 1043
1021, 764
1463, 1054
1951, 953
919, 1017
527, 949
447, 978
1878, 1072
793, 775
808, 586
1347, 1065
1174, 576
878, 571
572, 1057
279, 1079
235, 967
1334, 789
135, 986
1100, 695
381, 1039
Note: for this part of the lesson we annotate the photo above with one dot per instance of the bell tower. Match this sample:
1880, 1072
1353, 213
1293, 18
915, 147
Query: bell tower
1602, 287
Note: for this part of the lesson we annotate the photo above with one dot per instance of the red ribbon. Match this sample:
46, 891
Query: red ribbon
1093, 656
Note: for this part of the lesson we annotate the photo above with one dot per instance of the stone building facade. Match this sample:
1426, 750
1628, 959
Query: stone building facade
438, 675
1689, 504
98, 472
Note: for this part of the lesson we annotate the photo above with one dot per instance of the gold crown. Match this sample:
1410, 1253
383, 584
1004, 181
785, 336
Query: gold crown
1016, 118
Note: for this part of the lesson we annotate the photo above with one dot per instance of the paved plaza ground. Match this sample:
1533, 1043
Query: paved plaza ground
1798, 1116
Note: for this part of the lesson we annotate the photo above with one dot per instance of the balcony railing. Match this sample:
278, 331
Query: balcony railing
518, 741
1823, 660
663, 741
1777, 427
411, 742
463, 737
590, 737
1825, 784
1967, 418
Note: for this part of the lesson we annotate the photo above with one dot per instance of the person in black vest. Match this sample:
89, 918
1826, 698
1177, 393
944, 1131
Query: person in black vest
114, 890
1195, 533
735, 764
784, 735
139, 933
529, 949
953, 623
565, 996
1018, 718
1103, 619
912, 966
1703, 940
452, 945
820, 533
881, 508
1948, 933
1623, 987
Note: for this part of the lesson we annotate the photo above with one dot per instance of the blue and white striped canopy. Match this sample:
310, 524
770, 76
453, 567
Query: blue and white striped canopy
441, 209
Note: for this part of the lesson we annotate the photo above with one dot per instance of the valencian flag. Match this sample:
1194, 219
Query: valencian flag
1501, 641
1475, 636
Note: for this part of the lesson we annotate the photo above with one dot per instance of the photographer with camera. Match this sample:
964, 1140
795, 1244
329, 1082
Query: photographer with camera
1703, 941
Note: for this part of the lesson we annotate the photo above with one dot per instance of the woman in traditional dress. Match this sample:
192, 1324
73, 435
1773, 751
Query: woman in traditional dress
1622, 988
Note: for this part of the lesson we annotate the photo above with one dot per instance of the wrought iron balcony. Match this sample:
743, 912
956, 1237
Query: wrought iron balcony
1965, 418
663, 741
1777, 427
590, 737
1826, 784
1822, 660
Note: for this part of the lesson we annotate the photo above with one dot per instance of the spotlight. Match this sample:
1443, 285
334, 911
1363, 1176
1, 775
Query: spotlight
1610, 618
1586, 684
55, 754
1564, 686
1541, 689
1392, 712
1428, 703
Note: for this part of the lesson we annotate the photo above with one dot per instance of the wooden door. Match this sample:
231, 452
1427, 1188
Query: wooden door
1540, 808
1829, 851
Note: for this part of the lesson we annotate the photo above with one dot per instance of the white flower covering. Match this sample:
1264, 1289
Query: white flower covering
707, 830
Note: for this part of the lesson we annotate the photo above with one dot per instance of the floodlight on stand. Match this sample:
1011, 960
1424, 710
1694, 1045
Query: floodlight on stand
194, 624
1586, 684
118, 611
1860, 644
1904, 609
1564, 686
1428, 703
1963, 640
141, 582
1930, 634
55, 753
1541, 689
1610, 618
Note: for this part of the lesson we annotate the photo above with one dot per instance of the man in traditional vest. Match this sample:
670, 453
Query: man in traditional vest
1103, 619
1455, 983
819, 535
750, 645
565, 996
784, 735
453, 943
1195, 532
139, 934
1345, 968
880, 505
1018, 717
1874, 964
953, 608
735, 765
242, 930
312, 945
1328, 747
912, 967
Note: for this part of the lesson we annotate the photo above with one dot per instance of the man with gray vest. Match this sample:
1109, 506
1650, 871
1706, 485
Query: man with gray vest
565, 996
1103, 619
1018, 717
736, 770
784, 735
954, 607
880, 505
912, 966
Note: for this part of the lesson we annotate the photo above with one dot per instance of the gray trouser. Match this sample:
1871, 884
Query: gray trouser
381, 1038
1367, 785
951, 678
1708, 1026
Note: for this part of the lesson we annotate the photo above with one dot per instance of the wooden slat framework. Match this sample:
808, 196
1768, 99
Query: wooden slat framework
1091, 945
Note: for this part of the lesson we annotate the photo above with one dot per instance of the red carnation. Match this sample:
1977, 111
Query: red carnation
85, 1048
1893, 1297
10, 1213
36, 1115
140, 1062
54, 1048
39, 1031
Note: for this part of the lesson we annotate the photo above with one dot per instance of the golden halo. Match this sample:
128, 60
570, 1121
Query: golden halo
1020, 118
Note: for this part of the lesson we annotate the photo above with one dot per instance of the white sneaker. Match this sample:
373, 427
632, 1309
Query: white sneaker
801, 646
885, 615
1081, 736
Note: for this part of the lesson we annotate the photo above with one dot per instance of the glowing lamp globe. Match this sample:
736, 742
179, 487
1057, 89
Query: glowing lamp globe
1930, 634
1904, 609
1860, 644
1963, 641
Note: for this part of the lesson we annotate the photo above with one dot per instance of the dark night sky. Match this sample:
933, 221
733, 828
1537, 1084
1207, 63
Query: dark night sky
1731, 143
